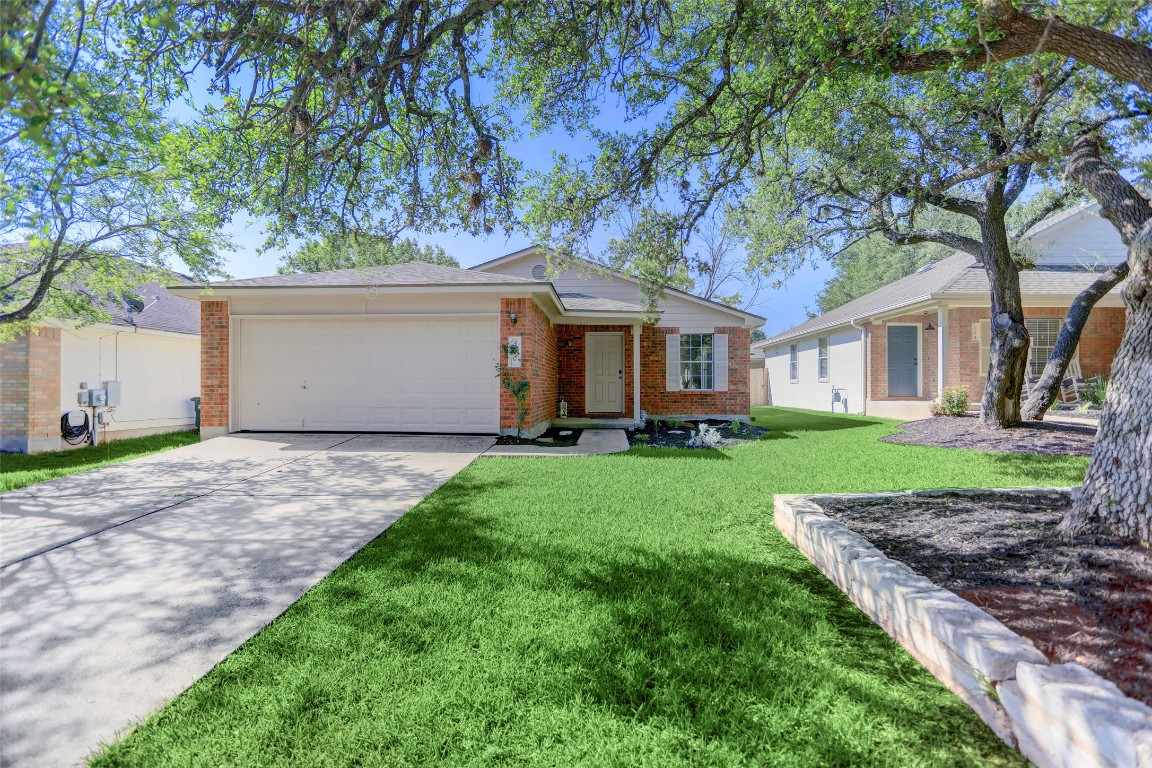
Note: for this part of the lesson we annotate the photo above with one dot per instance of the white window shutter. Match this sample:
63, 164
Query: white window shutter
672, 362
720, 362
984, 339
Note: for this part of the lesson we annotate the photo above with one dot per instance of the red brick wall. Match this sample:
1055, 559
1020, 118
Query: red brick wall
538, 362
878, 358
572, 378
30, 385
214, 356
656, 400
1098, 342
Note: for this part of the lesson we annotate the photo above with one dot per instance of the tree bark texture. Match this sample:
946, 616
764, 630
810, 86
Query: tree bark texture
1008, 356
1044, 392
1026, 35
1117, 492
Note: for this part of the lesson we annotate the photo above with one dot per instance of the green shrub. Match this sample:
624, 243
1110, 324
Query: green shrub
1095, 390
954, 402
673, 422
642, 438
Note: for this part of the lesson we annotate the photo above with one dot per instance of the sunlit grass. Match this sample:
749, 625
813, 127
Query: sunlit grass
636, 609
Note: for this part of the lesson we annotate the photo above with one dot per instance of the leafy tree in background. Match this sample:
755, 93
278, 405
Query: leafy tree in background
97, 182
357, 251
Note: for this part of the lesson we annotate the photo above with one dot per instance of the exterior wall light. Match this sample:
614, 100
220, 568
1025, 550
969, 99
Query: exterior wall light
512, 317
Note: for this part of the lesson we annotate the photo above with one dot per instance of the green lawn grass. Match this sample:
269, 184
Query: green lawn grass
637, 609
18, 470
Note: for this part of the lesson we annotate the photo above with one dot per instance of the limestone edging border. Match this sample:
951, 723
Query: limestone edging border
1056, 715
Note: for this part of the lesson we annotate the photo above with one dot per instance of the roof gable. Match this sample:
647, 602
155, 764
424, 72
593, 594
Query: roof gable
961, 275
517, 261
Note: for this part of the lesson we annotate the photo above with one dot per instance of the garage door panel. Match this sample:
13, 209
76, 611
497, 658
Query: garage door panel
397, 374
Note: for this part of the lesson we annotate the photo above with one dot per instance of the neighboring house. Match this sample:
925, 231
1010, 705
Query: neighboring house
152, 349
414, 348
892, 351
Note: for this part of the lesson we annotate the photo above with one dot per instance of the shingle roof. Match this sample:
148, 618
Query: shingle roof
162, 311
1047, 279
412, 273
584, 302
959, 274
918, 286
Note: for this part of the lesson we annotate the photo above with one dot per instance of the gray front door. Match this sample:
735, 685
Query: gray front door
903, 365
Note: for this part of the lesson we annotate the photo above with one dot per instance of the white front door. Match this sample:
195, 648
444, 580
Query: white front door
604, 373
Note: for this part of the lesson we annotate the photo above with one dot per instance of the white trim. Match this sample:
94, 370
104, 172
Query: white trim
636, 331
919, 356
941, 349
587, 379
64, 325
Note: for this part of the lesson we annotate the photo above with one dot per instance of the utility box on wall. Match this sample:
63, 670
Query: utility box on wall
112, 393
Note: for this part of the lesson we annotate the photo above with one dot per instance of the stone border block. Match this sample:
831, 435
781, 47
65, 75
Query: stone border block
1058, 716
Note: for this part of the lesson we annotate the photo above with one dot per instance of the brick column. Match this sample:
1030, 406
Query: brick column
30, 391
538, 365
214, 368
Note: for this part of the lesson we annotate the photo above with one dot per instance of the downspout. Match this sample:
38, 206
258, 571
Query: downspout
863, 366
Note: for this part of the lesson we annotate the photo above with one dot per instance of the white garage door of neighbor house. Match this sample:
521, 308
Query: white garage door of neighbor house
369, 374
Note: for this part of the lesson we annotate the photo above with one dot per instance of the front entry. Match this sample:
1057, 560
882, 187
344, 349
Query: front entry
604, 373
903, 360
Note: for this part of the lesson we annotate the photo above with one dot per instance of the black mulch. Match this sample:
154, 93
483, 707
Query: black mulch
679, 435
1087, 599
965, 432
549, 439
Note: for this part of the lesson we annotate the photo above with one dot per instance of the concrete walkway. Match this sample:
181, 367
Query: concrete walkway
122, 586
592, 442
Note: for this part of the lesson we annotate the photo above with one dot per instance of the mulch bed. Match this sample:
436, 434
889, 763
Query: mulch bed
1087, 599
551, 438
965, 432
678, 436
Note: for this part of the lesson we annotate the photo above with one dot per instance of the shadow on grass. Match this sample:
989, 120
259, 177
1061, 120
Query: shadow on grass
679, 453
694, 650
790, 420
1042, 469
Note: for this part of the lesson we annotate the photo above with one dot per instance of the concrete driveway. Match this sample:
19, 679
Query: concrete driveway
121, 586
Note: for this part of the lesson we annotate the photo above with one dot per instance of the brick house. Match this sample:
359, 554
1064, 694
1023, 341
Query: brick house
892, 351
414, 348
152, 350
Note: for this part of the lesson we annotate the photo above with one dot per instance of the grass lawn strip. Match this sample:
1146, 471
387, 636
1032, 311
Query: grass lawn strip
631, 609
18, 470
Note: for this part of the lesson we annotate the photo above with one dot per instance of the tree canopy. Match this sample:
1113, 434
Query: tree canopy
357, 251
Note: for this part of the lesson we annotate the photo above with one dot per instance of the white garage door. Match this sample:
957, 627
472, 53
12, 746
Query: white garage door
369, 374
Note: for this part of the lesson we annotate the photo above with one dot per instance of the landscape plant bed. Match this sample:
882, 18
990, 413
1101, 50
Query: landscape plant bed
965, 432
678, 435
1086, 600
550, 438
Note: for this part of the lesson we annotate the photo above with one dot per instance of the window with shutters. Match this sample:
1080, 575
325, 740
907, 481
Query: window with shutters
794, 363
696, 361
822, 358
1043, 332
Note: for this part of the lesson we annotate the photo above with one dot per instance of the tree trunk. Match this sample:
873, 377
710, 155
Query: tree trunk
1117, 493
1008, 355
1045, 390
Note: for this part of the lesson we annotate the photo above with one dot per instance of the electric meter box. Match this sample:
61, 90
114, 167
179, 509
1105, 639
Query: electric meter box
97, 398
112, 393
